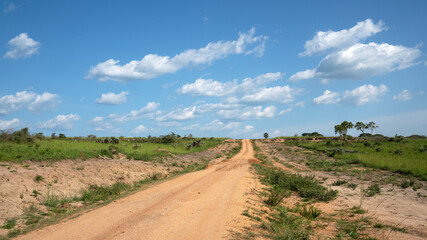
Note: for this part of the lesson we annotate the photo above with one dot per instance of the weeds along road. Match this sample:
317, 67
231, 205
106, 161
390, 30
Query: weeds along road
201, 205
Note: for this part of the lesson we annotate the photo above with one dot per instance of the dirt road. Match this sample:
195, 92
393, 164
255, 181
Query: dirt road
202, 205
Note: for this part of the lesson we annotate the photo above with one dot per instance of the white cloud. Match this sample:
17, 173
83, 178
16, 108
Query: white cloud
359, 96
287, 110
179, 114
140, 129
343, 38
61, 122
10, 8
248, 113
307, 74
10, 103
328, 97
152, 65
22, 46
208, 87
35, 103
146, 111
300, 104
5, 125
217, 125
112, 98
405, 95
364, 94
362, 61
100, 124
248, 128
283, 94
44, 102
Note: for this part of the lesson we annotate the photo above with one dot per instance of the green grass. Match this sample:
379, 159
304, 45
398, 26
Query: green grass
407, 156
305, 186
69, 149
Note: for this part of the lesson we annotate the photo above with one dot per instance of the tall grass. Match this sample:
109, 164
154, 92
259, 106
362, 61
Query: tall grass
70, 149
408, 156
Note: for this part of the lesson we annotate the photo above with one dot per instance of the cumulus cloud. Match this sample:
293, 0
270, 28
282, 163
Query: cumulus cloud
146, 111
362, 61
283, 94
209, 87
359, 96
248, 128
44, 102
152, 65
60, 122
249, 90
5, 124
405, 95
11, 103
100, 125
178, 114
22, 46
323, 41
287, 110
35, 103
328, 97
140, 129
217, 125
112, 98
364, 94
247, 113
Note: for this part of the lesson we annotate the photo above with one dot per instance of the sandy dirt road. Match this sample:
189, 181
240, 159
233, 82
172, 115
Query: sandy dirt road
202, 205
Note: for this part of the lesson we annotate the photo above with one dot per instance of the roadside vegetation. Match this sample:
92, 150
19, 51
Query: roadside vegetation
405, 155
20, 145
296, 202
281, 221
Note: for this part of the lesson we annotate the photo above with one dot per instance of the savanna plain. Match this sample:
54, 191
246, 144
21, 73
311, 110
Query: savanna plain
183, 187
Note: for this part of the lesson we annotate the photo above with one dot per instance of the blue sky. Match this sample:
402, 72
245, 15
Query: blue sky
212, 68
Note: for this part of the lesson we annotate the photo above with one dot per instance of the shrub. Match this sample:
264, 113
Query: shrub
276, 195
310, 213
38, 178
372, 190
9, 223
339, 182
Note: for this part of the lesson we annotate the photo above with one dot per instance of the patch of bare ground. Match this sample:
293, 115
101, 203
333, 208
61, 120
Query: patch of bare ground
31, 183
394, 213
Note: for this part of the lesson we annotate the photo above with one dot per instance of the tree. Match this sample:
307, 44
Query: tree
265, 135
361, 127
62, 136
343, 128
371, 126
53, 135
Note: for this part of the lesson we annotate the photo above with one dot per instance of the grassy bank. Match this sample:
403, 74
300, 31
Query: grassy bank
57, 149
401, 155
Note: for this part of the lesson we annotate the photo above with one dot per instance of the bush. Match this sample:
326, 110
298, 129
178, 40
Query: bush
276, 195
310, 213
372, 190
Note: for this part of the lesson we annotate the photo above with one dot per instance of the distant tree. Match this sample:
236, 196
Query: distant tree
39, 136
62, 136
343, 128
91, 137
53, 135
265, 135
371, 126
361, 127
